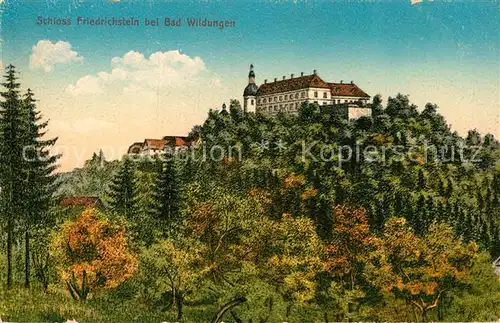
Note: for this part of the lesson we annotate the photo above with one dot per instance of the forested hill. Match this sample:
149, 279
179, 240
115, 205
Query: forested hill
307, 218
410, 165
400, 162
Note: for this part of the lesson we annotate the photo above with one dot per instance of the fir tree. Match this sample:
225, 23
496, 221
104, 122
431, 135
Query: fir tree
122, 191
11, 149
421, 179
480, 201
167, 196
38, 167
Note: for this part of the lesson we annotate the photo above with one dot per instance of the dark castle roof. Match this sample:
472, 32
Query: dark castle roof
292, 84
251, 90
347, 89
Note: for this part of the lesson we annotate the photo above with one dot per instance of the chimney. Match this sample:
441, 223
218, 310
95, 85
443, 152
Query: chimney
315, 72
291, 76
341, 81
284, 76
301, 73
275, 79
265, 81
352, 82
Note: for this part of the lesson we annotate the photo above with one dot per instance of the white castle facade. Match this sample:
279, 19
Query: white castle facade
286, 95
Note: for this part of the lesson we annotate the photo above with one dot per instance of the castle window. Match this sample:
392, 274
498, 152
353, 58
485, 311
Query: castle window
325, 95
303, 95
296, 106
315, 94
286, 96
324, 103
275, 99
264, 100
275, 108
281, 97
251, 102
296, 95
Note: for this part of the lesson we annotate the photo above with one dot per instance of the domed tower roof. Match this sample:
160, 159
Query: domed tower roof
251, 88
224, 111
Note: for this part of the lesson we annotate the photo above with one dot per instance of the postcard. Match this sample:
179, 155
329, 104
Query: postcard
249, 161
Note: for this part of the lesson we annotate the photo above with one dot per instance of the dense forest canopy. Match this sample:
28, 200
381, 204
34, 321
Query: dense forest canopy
312, 217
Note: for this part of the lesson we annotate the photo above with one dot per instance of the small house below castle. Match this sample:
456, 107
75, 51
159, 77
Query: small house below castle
150, 147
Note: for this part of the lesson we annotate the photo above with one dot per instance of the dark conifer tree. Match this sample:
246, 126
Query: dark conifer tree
460, 224
448, 213
122, 191
167, 197
484, 235
480, 201
441, 188
421, 216
449, 189
38, 167
11, 161
421, 179
468, 229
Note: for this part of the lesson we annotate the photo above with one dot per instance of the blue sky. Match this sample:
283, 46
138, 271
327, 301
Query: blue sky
444, 52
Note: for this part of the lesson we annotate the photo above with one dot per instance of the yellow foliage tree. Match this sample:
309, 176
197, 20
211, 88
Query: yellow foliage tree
175, 268
421, 269
92, 255
237, 233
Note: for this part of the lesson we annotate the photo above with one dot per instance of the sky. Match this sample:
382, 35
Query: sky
105, 87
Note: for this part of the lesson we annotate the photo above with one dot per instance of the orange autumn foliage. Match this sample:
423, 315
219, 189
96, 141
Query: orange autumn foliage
98, 248
351, 240
294, 180
310, 192
420, 269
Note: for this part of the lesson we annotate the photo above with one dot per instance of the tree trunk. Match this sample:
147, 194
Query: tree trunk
424, 315
325, 316
349, 311
180, 299
235, 317
27, 268
440, 313
226, 307
9, 252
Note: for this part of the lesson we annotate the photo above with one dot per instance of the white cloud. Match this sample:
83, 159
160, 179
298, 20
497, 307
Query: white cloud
85, 85
46, 54
135, 74
137, 96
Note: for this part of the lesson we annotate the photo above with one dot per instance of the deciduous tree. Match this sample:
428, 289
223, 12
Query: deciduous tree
92, 255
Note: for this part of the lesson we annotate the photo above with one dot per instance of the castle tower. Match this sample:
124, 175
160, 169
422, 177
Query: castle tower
249, 102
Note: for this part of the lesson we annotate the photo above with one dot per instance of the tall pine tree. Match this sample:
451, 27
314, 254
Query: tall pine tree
122, 191
38, 168
167, 196
11, 165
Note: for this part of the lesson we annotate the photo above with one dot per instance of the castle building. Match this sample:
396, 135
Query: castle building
286, 95
151, 147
